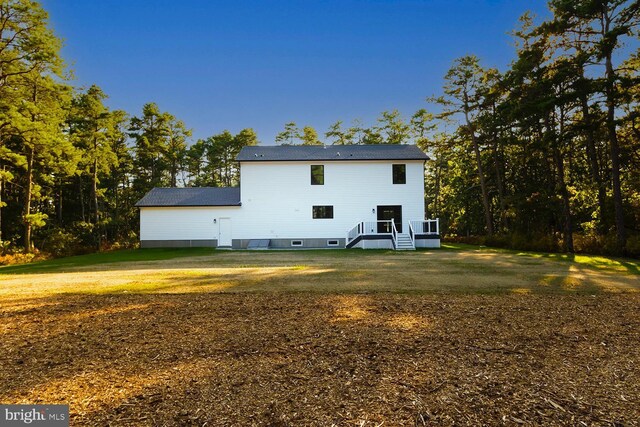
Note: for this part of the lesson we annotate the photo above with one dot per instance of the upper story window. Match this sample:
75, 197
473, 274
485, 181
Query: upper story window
322, 212
399, 174
317, 174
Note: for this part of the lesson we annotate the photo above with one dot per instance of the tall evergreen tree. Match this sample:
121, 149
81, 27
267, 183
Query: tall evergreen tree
289, 135
160, 146
604, 25
463, 96
91, 129
392, 128
310, 136
337, 135
176, 148
33, 103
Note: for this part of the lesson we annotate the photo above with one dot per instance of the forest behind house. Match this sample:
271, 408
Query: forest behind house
544, 155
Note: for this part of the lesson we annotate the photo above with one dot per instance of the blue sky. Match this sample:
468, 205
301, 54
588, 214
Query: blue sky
233, 64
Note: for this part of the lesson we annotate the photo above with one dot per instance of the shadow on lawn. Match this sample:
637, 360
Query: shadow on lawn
600, 262
314, 271
292, 359
184, 256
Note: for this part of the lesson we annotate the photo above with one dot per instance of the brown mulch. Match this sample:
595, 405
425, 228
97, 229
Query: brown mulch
286, 359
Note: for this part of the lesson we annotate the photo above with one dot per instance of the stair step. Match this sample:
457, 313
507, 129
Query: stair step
404, 242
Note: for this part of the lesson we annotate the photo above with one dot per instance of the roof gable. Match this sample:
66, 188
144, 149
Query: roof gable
278, 153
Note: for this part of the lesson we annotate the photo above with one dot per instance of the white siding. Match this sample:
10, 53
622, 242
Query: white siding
427, 243
277, 200
279, 196
187, 223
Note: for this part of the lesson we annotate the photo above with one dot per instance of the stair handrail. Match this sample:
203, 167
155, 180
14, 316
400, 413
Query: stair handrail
412, 234
394, 234
355, 231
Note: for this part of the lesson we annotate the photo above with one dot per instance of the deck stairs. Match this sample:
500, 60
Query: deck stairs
404, 242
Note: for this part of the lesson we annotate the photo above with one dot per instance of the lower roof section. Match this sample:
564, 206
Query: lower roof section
191, 196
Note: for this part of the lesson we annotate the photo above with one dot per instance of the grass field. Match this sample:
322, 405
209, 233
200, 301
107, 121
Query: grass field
457, 269
463, 335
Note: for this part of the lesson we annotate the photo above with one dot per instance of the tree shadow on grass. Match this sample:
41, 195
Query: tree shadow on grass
450, 272
162, 258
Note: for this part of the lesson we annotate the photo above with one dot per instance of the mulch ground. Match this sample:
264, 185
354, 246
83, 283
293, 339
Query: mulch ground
287, 359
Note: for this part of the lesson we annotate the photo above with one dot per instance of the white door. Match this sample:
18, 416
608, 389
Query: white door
224, 239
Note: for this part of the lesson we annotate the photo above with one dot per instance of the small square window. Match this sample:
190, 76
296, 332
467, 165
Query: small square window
332, 243
317, 174
296, 243
322, 212
399, 174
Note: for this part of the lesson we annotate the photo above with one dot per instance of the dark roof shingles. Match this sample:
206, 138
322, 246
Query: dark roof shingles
330, 153
191, 196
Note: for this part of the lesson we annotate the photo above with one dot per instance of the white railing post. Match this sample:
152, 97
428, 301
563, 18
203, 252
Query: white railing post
394, 232
412, 234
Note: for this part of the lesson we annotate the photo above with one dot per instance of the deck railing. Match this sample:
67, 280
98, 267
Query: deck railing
354, 232
383, 227
388, 228
429, 226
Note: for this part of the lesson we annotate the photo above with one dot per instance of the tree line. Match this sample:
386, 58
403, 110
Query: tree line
71, 169
390, 128
548, 149
542, 155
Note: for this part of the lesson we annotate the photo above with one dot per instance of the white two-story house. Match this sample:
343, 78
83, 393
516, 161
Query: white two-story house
366, 196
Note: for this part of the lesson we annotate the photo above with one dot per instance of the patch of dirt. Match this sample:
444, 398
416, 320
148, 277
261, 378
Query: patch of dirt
289, 359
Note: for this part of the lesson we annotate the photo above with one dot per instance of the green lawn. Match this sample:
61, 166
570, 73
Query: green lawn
454, 268
613, 264
125, 255
595, 261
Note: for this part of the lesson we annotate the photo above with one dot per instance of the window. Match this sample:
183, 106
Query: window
296, 243
332, 243
399, 174
322, 212
317, 174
